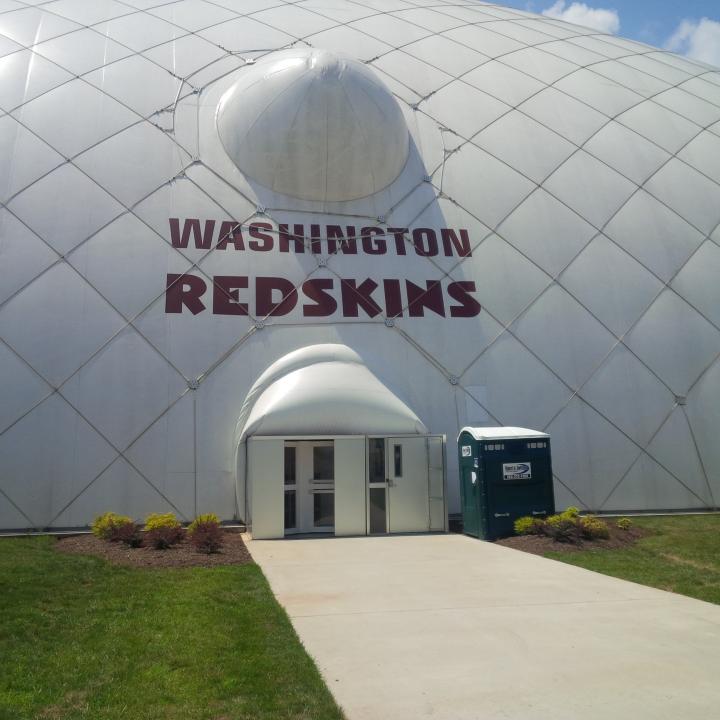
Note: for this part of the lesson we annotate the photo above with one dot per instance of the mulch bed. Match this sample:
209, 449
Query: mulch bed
539, 545
233, 552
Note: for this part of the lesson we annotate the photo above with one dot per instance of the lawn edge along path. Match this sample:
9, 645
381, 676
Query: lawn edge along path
81, 638
677, 553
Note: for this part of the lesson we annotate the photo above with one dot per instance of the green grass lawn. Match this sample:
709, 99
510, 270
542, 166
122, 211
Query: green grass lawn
80, 638
681, 554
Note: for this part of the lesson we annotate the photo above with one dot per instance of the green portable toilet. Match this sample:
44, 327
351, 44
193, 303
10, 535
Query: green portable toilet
505, 474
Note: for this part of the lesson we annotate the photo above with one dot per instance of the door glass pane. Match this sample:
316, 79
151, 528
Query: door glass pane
290, 509
290, 465
376, 460
397, 456
323, 462
377, 510
324, 509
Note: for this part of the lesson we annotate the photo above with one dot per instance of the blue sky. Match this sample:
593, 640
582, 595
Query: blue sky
690, 27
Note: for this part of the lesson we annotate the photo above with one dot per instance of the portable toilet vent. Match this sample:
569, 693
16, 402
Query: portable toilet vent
505, 474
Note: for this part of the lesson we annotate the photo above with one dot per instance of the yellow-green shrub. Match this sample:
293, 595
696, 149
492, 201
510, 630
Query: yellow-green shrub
163, 530
161, 520
561, 528
207, 518
624, 523
593, 528
104, 525
525, 526
570, 513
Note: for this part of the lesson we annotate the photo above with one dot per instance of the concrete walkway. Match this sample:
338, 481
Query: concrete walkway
447, 627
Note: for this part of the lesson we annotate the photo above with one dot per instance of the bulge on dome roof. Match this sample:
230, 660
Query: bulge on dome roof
313, 125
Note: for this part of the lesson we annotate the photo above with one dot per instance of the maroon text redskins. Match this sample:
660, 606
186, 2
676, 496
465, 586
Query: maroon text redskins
317, 296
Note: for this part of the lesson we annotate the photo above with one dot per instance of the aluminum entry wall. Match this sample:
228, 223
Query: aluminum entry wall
415, 496
265, 467
350, 485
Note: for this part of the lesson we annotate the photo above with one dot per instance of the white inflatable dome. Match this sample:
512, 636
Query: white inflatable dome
509, 219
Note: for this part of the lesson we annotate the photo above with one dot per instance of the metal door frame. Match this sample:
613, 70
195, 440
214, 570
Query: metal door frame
386, 438
304, 486
375, 485
321, 438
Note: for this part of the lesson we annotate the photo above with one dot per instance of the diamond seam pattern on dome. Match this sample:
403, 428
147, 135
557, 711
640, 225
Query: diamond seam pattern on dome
428, 355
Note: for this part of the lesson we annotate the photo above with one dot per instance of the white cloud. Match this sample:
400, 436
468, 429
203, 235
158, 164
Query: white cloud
698, 39
607, 21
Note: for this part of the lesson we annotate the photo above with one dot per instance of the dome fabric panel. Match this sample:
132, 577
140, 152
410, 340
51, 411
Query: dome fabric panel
559, 151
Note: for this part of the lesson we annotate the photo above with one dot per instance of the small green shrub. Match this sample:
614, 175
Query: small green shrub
163, 530
553, 520
593, 528
561, 528
104, 525
565, 527
624, 523
525, 526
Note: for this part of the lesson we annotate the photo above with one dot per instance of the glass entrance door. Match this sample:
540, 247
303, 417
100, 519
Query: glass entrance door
398, 485
320, 469
377, 487
309, 486
291, 493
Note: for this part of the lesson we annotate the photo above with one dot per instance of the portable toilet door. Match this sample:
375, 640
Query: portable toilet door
472, 494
